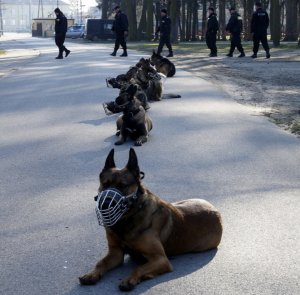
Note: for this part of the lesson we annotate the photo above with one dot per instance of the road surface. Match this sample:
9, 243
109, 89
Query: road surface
55, 136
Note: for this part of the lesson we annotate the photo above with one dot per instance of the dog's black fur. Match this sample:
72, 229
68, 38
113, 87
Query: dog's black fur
135, 122
162, 64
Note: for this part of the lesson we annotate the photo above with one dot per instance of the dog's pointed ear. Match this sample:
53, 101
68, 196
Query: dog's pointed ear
132, 164
110, 162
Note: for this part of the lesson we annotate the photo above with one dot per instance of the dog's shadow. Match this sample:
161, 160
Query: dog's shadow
183, 265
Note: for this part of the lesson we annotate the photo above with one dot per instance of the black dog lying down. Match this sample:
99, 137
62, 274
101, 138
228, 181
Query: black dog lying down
162, 64
149, 83
135, 122
113, 108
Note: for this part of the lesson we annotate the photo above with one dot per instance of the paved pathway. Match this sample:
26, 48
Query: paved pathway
54, 138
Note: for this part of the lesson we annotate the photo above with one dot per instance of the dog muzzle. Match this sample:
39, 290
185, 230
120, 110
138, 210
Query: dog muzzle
111, 206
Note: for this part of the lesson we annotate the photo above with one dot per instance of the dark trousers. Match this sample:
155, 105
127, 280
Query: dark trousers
211, 39
59, 41
120, 40
164, 40
264, 42
236, 42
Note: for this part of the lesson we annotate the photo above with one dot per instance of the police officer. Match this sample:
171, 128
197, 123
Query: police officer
235, 27
61, 26
120, 27
165, 31
211, 31
259, 26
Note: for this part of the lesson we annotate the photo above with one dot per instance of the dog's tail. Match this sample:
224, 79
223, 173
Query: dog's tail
171, 95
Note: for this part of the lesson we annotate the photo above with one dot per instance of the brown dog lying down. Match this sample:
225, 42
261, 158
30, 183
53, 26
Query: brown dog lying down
139, 223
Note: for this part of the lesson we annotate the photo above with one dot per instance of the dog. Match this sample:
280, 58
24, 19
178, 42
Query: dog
112, 107
146, 227
162, 64
135, 122
122, 79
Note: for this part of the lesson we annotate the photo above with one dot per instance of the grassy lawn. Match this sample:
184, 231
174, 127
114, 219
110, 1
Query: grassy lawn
196, 47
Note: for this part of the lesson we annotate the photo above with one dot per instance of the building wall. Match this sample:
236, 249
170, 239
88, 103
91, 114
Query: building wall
17, 15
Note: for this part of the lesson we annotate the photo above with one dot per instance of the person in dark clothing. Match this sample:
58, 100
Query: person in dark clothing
235, 27
259, 26
61, 26
211, 31
120, 27
165, 33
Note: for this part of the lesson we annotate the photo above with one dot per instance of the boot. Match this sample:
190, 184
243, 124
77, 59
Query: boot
268, 55
229, 55
59, 57
254, 55
124, 53
113, 53
67, 52
242, 54
170, 54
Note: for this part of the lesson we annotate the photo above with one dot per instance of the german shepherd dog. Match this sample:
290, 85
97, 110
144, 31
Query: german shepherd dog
162, 64
151, 81
122, 79
148, 227
135, 122
112, 107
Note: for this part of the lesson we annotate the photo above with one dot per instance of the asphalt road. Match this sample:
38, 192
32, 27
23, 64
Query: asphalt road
55, 136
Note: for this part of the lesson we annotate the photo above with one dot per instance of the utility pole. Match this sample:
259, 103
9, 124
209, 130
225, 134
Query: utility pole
1, 20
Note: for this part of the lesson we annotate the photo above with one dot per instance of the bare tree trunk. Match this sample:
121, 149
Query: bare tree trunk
105, 9
222, 20
275, 25
132, 20
149, 29
183, 20
195, 20
204, 19
248, 11
291, 20
143, 22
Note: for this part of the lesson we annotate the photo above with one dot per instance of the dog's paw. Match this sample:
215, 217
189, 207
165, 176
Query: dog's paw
89, 279
126, 286
138, 143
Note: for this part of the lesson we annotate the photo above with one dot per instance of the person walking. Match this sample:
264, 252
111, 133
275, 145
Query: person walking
259, 26
235, 28
211, 32
61, 26
120, 27
165, 32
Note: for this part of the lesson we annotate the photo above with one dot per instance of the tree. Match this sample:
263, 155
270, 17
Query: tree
275, 25
149, 25
291, 33
174, 12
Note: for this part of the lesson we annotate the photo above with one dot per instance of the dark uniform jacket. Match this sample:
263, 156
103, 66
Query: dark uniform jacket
235, 24
61, 24
165, 26
260, 22
212, 24
120, 24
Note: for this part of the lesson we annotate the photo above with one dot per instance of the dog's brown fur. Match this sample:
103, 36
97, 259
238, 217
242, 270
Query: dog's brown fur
152, 228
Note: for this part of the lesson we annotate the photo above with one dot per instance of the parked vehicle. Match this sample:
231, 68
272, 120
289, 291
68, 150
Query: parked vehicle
97, 29
76, 31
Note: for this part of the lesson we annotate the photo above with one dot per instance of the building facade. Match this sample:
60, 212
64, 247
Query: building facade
17, 15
